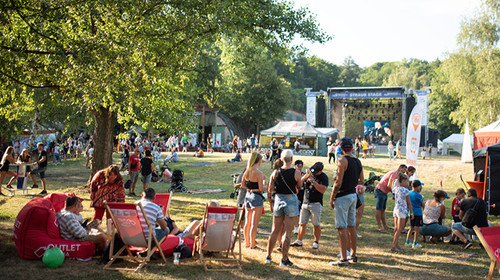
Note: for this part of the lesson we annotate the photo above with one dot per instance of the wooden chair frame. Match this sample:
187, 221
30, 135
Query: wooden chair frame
493, 259
229, 254
150, 243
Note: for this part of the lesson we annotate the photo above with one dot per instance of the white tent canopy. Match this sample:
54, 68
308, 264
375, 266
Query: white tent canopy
294, 128
455, 142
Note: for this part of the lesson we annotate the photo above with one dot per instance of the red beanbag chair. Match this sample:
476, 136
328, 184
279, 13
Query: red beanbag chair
172, 241
36, 230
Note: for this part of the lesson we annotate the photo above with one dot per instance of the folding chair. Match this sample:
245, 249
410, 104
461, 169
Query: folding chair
217, 234
126, 221
490, 238
163, 199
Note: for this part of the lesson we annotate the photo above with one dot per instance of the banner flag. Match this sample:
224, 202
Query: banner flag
466, 145
413, 134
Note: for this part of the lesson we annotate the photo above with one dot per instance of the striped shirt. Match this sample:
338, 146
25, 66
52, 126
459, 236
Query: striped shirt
70, 225
153, 212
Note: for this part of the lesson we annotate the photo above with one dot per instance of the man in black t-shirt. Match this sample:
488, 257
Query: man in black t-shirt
316, 183
481, 219
42, 167
147, 168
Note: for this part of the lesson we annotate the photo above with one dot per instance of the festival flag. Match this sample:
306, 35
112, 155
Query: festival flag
413, 135
466, 145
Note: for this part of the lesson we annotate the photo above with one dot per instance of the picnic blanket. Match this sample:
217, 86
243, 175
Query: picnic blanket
200, 164
206, 191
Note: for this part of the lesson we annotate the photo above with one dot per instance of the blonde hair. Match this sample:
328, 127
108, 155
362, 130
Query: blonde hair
214, 203
254, 158
287, 155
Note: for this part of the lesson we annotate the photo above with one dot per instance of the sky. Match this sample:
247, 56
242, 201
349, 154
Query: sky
387, 30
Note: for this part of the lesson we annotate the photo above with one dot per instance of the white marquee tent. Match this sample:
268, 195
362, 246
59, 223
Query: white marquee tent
454, 142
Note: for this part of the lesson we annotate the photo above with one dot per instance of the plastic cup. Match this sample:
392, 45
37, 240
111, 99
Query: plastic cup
177, 257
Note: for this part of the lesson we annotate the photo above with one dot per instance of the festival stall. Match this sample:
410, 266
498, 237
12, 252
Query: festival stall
487, 176
487, 135
313, 140
454, 142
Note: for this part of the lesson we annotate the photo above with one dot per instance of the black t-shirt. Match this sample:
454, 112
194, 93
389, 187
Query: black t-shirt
351, 176
40, 156
285, 181
146, 166
311, 194
482, 217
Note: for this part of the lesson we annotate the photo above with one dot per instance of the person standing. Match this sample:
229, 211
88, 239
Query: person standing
316, 185
343, 200
42, 167
390, 149
285, 182
253, 181
147, 169
106, 185
253, 142
134, 165
330, 146
7, 159
381, 191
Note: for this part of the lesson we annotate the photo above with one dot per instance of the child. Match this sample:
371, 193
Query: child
417, 203
402, 204
455, 209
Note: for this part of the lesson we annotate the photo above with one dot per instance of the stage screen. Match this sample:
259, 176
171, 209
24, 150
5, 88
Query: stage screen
377, 130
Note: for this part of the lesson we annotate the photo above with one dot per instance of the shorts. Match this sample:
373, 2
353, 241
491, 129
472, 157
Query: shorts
463, 229
312, 210
361, 197
380, 199
345, 211
434, 229
417, 221
134, 176
89, 237
147, 179
254, 199
286, 204
39, 170
400, 213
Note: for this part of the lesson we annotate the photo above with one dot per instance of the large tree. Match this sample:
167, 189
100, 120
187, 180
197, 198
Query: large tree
128, 60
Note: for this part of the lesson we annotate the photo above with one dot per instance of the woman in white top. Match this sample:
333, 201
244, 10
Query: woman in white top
434, 211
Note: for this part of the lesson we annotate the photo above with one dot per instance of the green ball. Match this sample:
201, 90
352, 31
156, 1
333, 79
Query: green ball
53, 257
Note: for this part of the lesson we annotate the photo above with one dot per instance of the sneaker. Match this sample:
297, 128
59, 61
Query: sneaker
416, 245
296, 243
352, 259
339, 262
467, 245
315, 245
43, 192
348, 254
408, 243
34, 186
268, 260
286, 263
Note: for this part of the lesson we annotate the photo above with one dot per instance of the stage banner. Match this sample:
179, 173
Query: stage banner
423, 97
413, 134
311, 108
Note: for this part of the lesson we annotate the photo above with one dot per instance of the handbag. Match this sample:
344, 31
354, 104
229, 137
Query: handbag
470, 215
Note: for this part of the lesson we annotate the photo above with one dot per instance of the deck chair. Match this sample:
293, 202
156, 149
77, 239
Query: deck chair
163, 199
490, 238
218, 234
126, 221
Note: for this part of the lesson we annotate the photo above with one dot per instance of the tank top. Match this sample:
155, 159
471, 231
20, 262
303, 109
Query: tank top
351, 176
431, 214
5, 165
285, 181
252, 185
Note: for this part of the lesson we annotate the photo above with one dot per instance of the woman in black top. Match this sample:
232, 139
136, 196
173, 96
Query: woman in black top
285, 182
253, 182
7, 159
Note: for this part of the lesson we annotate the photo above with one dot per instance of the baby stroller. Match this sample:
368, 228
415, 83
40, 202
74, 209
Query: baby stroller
177, 179
234, 194
370, 182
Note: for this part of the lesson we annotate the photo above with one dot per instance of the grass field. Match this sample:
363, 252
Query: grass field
441, 261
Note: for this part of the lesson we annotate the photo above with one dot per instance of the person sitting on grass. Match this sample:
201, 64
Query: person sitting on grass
401, 206
417, 203
199, 153
480, 219
72, 227
237, 158
433, 211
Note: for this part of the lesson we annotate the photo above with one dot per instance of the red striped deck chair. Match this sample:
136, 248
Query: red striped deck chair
490, 238
218, 234
126, 221
163, 199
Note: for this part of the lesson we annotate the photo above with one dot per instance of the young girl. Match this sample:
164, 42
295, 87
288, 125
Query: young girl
7, 159
402, 204
253, 182
455, 209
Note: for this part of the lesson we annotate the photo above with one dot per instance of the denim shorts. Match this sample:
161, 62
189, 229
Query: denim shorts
463, 229
286, 204
380, 199
311, 210
345, 211
433, 229
147, 179
361, 197
254, 199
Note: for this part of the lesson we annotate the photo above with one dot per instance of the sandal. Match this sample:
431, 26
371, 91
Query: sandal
382, 230
396, 249
9, 187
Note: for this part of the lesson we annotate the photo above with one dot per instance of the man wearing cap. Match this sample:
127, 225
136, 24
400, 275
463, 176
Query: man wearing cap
381, 191
343, 200
315, 186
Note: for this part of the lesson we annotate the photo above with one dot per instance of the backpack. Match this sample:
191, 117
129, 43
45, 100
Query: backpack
469, 218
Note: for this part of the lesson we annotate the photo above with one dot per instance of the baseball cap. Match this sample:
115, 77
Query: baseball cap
346, 143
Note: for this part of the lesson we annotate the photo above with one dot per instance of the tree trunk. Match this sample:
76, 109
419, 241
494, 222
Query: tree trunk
103, 138
34, 130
